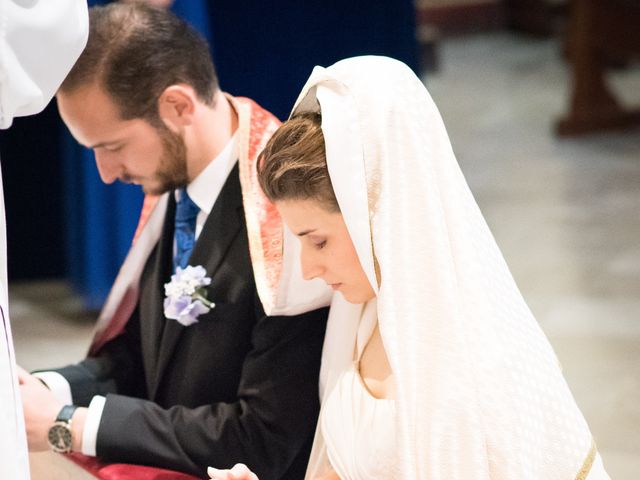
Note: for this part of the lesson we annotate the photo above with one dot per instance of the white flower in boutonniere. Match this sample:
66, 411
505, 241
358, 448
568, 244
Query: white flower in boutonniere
186, 295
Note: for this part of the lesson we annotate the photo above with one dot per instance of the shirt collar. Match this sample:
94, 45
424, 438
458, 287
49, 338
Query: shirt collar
205, 188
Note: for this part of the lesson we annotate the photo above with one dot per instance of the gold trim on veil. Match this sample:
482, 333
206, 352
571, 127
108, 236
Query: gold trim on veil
583, 474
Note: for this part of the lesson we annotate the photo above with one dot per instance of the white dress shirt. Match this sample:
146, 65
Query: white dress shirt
204, 191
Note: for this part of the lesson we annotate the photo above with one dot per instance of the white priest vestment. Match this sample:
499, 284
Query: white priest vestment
39, 42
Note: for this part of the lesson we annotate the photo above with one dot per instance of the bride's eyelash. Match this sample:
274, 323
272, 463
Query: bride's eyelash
321, 245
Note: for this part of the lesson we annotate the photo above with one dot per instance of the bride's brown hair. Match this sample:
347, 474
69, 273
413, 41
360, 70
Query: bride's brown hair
293, 165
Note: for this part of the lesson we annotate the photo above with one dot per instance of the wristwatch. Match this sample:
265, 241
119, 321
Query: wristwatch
59, 435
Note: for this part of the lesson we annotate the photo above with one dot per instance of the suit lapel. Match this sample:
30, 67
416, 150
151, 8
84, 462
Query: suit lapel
124, 294
222, 226
156, 274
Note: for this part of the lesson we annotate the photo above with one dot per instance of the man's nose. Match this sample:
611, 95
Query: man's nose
108, 168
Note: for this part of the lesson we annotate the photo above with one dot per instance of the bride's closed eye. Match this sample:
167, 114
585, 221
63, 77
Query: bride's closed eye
320, 245
317, 242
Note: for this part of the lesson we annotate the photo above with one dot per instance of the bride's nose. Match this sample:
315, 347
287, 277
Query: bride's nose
311, 268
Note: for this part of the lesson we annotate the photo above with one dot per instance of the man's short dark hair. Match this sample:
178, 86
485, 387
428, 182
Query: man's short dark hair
135, 52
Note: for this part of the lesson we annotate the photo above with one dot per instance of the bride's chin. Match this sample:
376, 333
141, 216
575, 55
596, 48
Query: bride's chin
359, 297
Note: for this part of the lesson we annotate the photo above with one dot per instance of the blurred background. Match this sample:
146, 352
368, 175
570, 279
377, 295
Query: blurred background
542, 103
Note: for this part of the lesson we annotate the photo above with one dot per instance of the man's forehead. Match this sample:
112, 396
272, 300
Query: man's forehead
91, 116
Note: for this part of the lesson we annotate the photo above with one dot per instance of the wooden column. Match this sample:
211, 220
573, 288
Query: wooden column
600, 30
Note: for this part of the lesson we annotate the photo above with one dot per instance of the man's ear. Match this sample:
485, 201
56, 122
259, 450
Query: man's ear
176, 106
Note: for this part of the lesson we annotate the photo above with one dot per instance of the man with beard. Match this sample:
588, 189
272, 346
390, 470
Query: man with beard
185, 370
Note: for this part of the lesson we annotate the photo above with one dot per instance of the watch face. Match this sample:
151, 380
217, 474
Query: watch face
60, 437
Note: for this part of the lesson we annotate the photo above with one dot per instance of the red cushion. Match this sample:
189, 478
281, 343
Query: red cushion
123, 471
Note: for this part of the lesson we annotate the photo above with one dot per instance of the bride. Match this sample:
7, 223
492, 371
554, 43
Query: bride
433, 365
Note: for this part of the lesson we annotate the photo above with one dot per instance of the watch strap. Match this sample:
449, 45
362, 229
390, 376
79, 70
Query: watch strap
66, 413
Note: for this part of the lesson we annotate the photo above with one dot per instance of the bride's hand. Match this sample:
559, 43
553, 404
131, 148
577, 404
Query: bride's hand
239, 472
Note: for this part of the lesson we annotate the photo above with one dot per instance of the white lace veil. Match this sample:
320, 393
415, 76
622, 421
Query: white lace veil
480, 394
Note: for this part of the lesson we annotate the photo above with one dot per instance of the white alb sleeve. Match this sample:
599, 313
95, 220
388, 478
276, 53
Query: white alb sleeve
58, 385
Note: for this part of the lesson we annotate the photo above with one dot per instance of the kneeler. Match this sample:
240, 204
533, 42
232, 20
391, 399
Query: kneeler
124, 471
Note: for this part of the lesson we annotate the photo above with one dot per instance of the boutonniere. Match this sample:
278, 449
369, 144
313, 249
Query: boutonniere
186, 295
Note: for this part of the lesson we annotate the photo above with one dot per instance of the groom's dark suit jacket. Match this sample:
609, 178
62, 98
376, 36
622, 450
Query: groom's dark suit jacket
237, 386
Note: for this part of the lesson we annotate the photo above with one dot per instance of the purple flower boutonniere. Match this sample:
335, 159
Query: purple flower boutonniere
186, 295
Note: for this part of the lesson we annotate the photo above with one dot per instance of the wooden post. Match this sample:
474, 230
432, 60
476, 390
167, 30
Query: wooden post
599, 30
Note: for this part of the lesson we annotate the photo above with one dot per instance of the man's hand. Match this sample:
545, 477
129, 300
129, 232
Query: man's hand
40, 407
239, 472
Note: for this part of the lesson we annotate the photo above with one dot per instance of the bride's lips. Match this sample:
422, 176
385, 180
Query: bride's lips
335, 286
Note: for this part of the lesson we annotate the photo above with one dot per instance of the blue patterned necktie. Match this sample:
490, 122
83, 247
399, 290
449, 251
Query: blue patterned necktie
185, 229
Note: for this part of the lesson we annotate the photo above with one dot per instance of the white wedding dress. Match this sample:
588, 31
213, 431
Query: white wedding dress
358, 428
